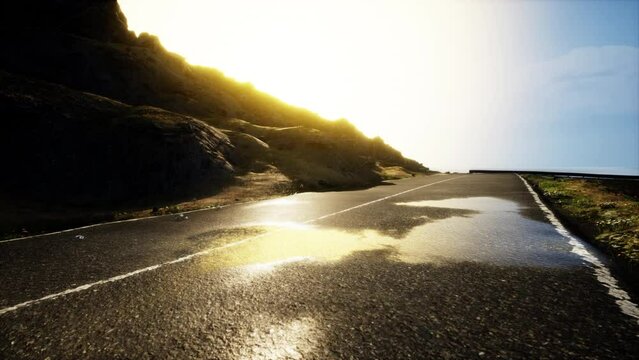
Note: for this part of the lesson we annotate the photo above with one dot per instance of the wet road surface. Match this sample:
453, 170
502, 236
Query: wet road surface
446, 266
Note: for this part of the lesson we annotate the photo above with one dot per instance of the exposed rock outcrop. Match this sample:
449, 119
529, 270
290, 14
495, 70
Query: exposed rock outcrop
72, 147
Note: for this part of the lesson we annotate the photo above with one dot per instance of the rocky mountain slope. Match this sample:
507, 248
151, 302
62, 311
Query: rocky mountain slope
98, 116
57, 141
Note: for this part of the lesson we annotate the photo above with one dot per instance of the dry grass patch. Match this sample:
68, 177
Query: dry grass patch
605, 212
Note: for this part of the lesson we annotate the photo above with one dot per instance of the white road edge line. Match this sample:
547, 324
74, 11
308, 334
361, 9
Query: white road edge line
601, 271
197, 254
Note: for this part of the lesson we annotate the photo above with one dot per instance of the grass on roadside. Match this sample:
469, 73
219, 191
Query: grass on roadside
603, 211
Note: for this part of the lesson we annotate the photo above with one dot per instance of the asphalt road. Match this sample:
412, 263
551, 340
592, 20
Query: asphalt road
445, 266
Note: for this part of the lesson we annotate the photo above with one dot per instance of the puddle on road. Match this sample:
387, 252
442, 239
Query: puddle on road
481, 204
495, 233
280, 245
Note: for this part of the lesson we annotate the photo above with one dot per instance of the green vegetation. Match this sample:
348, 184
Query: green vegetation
605, 212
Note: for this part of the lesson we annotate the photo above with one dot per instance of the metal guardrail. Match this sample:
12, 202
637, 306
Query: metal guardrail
558, 174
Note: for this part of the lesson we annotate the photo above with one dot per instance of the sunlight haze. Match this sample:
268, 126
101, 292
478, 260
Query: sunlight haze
453, 84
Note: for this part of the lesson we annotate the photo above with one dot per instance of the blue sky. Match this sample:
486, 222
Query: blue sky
567, 24
600, 136
603, 131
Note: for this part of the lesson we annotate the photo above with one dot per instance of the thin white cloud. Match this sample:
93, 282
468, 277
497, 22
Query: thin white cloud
598, 80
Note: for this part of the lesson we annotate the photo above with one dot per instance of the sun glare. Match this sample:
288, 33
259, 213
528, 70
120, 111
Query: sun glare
403, 70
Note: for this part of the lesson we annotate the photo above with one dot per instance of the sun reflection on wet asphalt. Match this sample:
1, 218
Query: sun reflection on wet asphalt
278, 245
274, 339
495, 232
428, 274
488, 230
